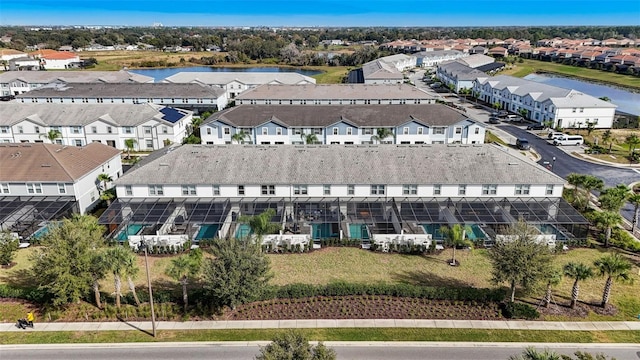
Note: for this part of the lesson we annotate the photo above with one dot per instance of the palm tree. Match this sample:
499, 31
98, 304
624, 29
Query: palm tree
309, 138
183, 268
108, 195
261, 224
131, 270
555, 276
129, 144
531, 353
99, 268
614, 267
607, 220
118, 258
577, 271
584, 184
240, 137
381, 134
635, 200
52, 135
633, 141
606, 138
455, 236
612, 199
104, 179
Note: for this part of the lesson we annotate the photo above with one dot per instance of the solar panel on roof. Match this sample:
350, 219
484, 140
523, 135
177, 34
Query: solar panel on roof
171, 115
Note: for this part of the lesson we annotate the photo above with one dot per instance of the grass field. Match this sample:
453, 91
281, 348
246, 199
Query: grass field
341, 334
531, 66
360, 266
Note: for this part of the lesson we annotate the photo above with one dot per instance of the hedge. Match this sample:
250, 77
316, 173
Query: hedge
514, 310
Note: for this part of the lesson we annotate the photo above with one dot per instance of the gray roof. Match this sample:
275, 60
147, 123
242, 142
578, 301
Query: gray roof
439, 53
249, 78
476, 60
378, 69
80, 115
81, 76
461, 71
541, 92
325, 115
340, 164
334, 91
125, 90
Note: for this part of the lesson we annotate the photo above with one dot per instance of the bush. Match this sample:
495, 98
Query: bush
31, 294
622, 239
513, 310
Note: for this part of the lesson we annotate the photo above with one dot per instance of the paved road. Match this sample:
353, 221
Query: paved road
236, 351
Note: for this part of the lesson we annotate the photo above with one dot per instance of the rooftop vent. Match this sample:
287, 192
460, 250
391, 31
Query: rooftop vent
164, 164
45, 165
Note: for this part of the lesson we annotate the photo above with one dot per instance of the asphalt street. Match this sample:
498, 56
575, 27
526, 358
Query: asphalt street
370, 351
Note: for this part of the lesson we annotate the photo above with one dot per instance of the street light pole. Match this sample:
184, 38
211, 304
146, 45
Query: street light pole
153, 314
553, 164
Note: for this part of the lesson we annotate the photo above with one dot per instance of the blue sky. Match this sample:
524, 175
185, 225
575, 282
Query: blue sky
320, 12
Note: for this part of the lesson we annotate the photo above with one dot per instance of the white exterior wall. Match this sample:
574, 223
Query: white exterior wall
383, 81
572, 119
335, 102
52, 64
86, 188
220, 102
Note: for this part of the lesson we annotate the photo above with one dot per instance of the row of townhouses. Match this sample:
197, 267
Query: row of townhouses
151, 126
341, 124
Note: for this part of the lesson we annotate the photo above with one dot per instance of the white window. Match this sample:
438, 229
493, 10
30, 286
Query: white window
349, 131
522, 189
226, 130
62, 189
420, 130
410, 189
216, 190
405, 131
351, 189
278, 131
76, 129
438, 130
437, 189
36, 129
265, 131
297, 131
377, 189
94, 129
317, 131
34, 188
367, 131
128, 190
188, 190
300, 190
326, 189
573, 110
77, 142
127, 130
462, 189
476, 131
490, 189
147, 129
549, 190
4, 188
156, 190
109, 130
20, 129
4, 129
268, 189
240, 189
335, 131
149, 143
458, 130
208, 131
165, 130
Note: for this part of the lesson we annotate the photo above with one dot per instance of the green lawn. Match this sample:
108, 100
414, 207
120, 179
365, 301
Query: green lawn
330, 74
355, 334
492, 138
531, 66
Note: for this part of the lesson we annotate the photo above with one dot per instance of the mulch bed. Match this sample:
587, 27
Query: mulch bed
364, 307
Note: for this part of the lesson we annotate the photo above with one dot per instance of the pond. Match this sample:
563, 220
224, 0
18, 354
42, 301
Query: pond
162, 73
628, 101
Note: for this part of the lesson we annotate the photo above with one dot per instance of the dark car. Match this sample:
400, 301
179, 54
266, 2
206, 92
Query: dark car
7, 97
536, 127
494, 120
523, 144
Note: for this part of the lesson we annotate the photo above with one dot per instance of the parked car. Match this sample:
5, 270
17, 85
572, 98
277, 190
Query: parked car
568, 140
494, 114
536, 127
514, 118
494, 120
7, 97
554, 135
503, 113
523, 144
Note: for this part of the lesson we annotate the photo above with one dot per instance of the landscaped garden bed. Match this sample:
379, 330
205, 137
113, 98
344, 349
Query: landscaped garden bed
364, 307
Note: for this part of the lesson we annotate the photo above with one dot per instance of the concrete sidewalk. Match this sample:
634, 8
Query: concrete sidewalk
351, 323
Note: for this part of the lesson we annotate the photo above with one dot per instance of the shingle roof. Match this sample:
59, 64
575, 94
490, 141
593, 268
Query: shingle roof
252, 78
476, 60
51, 162
460, 71
378, 69
83, 76
125, 90
325, 115
338, 164
79, 115
334, 91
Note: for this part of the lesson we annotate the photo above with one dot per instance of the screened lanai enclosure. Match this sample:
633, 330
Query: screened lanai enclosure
29, 217
364, 219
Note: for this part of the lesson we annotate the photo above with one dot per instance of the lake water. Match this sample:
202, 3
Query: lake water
159, 74
627, 100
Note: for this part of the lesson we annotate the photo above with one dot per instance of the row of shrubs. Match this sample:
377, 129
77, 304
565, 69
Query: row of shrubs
514, 310
296, 291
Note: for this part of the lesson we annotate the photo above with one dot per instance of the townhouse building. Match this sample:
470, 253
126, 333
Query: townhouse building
193, 97
433, 58
235, 83
457, 75
335, 94
341, 124
46, 182
385, 70
151, 126
18, 82
365, 192
563, 108
10, 54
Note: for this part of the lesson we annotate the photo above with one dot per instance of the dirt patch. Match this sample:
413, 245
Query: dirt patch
581, 310
8, 266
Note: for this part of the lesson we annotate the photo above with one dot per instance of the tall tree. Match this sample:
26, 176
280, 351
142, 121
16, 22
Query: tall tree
455, 236
554, 278
309, 138
583, 185
578, 272
240, 137
98, 269
130, 144
120, 261
615, 268
184, 268
238, 272
131, 270
613, 198
381, 134
606, 221
261, 224
62, 266
8, 247
104, 179
519, 260
635, 201
607, 138
633, 141
295, 346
